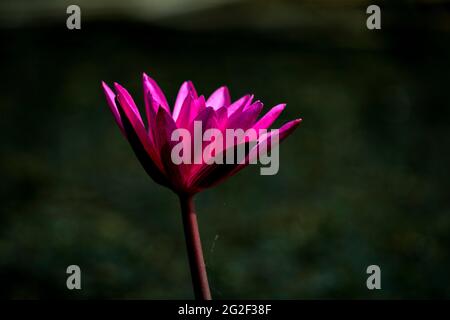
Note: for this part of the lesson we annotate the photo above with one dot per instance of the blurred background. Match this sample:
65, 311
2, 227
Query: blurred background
364, 180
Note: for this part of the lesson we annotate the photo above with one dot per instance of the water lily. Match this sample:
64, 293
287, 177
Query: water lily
153, 145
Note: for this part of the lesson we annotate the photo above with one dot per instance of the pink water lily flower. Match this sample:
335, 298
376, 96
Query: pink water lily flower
152, 145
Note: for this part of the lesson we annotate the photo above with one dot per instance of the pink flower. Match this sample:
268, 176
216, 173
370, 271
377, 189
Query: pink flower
153, 145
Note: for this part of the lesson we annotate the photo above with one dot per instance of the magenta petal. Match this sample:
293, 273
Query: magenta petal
264, 140
165, 126
151, 86
132, 113
269, 118
199, 105
187, 88
208, 117
247, 118
127, 103
219, 98
239, 104
137, 136
186, 113
212, 175
288, 128
127, 100
209, 175
222, 118
146, 160
149, 101
151, 117
111, 99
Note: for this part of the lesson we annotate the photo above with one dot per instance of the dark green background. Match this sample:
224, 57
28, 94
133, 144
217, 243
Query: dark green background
364, 179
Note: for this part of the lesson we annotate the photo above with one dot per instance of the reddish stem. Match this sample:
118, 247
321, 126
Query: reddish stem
194, 249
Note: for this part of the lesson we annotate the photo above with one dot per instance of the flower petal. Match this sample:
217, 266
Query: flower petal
208, 119
186, 113
165, 126
222, 118
126, 100
150, 107
151, 86
199, 105
187, 88
211, 175
136, 134
264, 141
240, 104
219, 98
269, 118
149, 102
111, 99
245, 119
132, 113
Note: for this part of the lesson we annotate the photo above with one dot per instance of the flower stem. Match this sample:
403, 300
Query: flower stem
194, 249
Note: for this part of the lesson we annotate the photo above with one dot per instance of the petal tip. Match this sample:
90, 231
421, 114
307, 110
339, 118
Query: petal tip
119, 88
105, 86
146, 77
296, 122
278, 109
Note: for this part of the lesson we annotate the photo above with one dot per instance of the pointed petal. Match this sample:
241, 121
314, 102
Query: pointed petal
125, 99
245, 119
151, 86
240, 104
137, 137
187, 88
186, 113
249, 103
219, 98
132, 114
288, 128
199, 105
209, 175
151, 116
212, 175
222, 118
208, 117
165, 126
111, 99
149, 101
264, 141
269, 118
